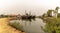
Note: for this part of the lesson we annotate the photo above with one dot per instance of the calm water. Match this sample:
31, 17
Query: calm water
32, 27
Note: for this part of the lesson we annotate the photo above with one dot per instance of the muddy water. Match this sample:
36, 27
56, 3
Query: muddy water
33, 26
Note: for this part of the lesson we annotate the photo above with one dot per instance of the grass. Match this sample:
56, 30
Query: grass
17, 26
52, 25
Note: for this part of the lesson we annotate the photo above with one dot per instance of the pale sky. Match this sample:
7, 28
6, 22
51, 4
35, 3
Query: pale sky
35, 6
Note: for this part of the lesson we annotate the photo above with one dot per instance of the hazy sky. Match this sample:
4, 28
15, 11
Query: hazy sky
35, 6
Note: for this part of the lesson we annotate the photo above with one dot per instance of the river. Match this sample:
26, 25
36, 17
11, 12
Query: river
33, 26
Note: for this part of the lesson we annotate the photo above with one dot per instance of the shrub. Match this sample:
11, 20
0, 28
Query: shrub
17, 26
52, 25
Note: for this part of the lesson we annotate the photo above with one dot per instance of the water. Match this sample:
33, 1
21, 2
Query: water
32, 27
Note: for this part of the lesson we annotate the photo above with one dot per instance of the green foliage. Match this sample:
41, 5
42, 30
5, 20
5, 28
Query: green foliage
58, 14
56, 8
52, 25
44, 15
16, 25
49, 12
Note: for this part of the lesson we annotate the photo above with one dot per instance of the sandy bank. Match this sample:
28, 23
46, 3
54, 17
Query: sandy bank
5, 28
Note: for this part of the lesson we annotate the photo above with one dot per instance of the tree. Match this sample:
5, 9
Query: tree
56, 11
52, 24
57, 8
49, 12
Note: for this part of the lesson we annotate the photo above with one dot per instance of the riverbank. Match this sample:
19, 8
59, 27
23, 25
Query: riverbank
6, 28
52, 24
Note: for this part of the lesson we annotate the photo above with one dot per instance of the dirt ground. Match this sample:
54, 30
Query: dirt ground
5, 28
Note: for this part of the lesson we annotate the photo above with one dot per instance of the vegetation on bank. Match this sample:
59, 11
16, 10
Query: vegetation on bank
17, 26
52, 23
5, 28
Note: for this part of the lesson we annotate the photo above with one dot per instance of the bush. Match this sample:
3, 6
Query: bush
17, 26
52, 25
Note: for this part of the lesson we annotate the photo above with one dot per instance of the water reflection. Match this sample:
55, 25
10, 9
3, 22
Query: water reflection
33, 26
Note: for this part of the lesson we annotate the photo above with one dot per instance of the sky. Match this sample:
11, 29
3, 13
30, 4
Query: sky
37, 7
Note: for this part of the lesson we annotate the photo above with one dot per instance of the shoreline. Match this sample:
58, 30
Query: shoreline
5, 28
